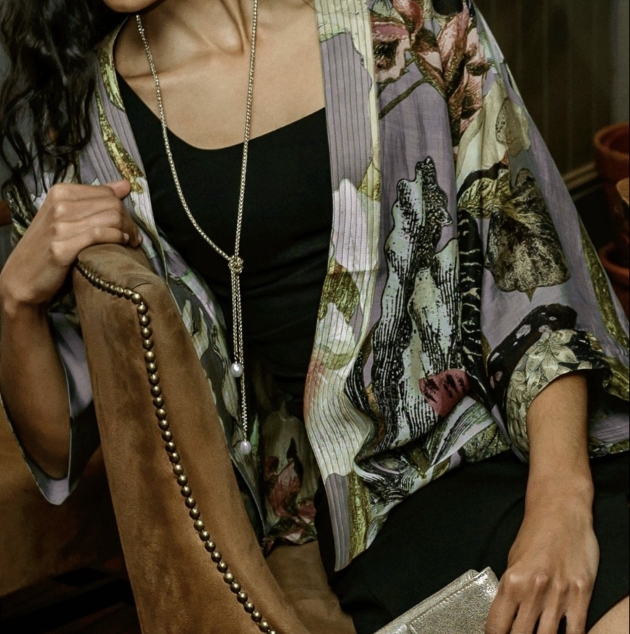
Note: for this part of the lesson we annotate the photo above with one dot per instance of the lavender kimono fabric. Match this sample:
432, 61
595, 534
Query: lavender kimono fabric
461, 282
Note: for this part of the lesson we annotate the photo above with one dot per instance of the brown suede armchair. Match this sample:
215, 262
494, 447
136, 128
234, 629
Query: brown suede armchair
39, 540
182, 584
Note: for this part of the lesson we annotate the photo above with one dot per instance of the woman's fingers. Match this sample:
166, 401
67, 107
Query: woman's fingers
72, 202
121, 189
552, 617
502, 614
71, 192
577, 614
72, 218
576, 624
73, 208
65, 252
527, 618
113, 218
536, 606
79, 210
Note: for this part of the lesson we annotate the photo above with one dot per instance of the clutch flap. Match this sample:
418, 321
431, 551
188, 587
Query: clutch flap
460, 608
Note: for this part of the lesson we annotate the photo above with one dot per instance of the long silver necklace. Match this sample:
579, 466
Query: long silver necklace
235, 262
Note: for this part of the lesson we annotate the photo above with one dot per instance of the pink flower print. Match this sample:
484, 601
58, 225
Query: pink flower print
444, 391
412, 12
464, 68
283, 495
391, 43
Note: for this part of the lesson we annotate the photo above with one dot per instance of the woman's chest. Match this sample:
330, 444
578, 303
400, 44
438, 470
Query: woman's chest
205, 95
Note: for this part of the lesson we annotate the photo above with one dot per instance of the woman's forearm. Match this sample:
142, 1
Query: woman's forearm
558, 430
554, 561
33, 386
32, 379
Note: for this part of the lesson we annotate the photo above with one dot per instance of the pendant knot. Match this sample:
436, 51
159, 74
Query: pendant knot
236, 264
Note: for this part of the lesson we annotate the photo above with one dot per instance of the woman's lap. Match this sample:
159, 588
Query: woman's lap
467, 520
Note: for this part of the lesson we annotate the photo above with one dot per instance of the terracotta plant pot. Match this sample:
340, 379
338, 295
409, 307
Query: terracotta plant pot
612, 149
621, 223
619, 275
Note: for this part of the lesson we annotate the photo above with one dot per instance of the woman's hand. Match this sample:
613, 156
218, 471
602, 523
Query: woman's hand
72, 218
552, 569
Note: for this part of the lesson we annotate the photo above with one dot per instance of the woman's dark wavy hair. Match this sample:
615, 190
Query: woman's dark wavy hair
44, 103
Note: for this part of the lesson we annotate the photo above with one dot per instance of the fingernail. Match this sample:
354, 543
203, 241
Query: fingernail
127, 237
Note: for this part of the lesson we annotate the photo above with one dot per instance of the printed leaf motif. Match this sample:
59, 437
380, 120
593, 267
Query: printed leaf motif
508, 355
414, 339
501, 127
548, 354
391, 45
340, 290
105, 54
524, 251
486, 195
510, 131
197, 329
464, 69
124, 162
607, 304
556, 353
371, 184
489, 442
338, 351
289, 475
452, 59
360, 511
619, 383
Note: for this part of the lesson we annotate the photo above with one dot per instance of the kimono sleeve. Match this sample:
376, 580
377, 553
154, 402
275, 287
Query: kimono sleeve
536, 302
84, 437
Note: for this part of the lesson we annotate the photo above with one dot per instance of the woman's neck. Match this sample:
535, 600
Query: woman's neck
202, 53
210, 24
185, 30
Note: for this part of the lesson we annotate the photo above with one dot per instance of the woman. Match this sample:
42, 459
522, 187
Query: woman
399, 390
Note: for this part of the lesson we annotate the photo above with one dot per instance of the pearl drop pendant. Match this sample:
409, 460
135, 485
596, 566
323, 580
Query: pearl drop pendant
237, 370
245, 448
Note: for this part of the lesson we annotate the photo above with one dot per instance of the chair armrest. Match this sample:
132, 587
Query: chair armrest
178, 587
39, 540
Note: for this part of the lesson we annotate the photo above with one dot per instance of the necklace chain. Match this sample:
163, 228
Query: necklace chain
235, 263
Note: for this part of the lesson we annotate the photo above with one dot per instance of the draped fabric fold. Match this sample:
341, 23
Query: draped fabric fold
461, 282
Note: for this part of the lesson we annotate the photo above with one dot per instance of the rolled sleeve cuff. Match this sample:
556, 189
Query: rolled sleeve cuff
562, 352
84, 440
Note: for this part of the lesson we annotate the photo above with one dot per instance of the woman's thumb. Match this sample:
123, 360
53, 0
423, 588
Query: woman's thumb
122, 189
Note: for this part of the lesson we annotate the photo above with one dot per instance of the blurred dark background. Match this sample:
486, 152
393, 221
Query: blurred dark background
570, 59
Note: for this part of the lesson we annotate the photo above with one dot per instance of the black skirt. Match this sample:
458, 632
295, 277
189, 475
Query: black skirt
468, 520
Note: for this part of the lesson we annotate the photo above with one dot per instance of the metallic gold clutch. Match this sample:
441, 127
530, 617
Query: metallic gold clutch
461, 608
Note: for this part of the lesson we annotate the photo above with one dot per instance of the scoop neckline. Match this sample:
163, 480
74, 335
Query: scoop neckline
177, 139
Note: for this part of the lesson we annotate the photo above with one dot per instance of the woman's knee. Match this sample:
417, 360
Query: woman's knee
616, 621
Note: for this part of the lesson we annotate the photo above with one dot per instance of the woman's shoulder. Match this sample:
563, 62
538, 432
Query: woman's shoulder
113, 57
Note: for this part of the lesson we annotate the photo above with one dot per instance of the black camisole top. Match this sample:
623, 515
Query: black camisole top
286, 232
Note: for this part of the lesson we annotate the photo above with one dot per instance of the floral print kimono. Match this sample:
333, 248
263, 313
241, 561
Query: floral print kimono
461, 281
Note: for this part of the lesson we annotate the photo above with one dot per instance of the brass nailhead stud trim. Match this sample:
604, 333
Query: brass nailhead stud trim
146, 334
